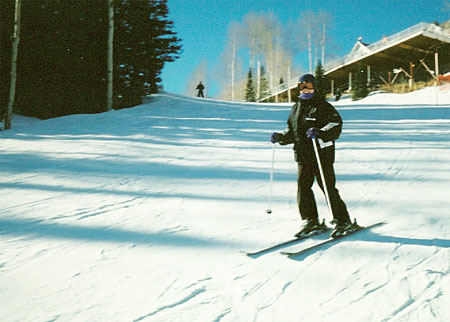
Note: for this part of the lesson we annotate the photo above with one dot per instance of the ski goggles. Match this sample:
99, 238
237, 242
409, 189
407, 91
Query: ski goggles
307, 86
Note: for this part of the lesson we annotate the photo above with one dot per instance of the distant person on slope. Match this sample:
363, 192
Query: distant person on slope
313, 118
200, 87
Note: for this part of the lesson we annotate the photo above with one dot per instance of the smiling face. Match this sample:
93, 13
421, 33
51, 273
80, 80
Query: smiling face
306, 87
306, 90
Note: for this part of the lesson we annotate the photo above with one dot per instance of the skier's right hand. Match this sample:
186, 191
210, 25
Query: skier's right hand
276, 137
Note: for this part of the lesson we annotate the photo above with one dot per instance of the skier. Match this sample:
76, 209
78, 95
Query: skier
313, 118
200, 87
338, 94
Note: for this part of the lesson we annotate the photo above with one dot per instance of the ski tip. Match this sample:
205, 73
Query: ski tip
380, 223
251, 254
246, 253
254, 255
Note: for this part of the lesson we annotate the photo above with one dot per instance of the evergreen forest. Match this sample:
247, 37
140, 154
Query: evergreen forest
62, 56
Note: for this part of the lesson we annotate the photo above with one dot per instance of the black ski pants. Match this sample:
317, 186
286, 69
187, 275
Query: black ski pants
305, 196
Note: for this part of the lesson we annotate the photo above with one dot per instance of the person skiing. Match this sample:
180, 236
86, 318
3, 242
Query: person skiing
200, 87
313, 118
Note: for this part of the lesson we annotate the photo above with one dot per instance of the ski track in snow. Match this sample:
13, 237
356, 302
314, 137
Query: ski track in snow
172, 305
142, 214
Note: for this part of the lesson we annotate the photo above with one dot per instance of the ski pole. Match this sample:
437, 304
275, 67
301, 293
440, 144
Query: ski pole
319, 163
269, 210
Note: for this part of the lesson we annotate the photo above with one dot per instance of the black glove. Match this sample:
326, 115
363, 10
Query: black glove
276, 137
313, 132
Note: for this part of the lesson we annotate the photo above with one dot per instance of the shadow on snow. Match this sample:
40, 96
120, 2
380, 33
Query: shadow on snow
373, 237
39, 229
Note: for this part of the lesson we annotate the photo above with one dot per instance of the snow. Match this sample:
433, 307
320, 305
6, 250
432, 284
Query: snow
142, 214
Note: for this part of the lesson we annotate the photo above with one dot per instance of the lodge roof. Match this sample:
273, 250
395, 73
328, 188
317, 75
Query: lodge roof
412, 45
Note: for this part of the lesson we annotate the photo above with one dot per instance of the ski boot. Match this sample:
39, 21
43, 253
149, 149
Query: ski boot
311, 227
344, 227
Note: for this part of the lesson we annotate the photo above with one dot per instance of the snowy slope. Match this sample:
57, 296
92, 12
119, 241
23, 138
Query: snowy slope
142, 214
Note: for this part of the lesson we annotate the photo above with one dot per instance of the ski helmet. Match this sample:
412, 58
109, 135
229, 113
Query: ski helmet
307, 78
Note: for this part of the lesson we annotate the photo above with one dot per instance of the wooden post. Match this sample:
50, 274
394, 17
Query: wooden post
432, 73
384, 81
350, 81
436, 68
332, 87
411, 75
368, 75
436, 73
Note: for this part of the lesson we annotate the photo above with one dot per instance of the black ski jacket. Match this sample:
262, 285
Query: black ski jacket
305, 114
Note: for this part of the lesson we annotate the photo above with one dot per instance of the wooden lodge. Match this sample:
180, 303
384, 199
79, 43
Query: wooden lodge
415, 54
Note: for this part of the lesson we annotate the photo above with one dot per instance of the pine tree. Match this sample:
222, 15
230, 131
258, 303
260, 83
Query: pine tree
144, 42
360, 87
250, 95
62, 62
265, 91
62, 58
320, 80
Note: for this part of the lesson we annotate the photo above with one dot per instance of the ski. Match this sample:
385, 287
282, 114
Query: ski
330, 240
284, 244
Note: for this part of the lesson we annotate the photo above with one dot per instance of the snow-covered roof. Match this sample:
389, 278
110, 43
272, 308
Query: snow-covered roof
410, 45
361, 51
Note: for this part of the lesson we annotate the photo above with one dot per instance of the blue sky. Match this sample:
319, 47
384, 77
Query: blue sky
202, 26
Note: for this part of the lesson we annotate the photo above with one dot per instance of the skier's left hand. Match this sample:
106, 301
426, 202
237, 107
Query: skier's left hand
313, 132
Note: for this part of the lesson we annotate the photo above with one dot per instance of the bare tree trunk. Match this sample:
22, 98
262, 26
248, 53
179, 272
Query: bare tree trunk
109, 96
15, 50
272, 67
323, 41
310, 48
233, 66
288, 82
275, 79
230, 63
274, 76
